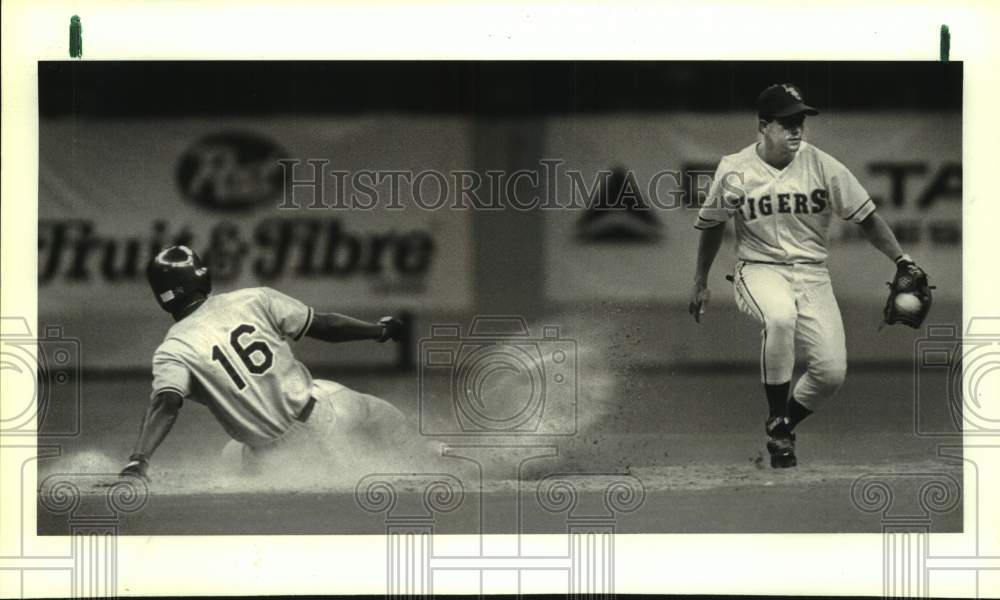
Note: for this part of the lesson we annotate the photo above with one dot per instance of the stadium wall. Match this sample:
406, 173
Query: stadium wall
110, 190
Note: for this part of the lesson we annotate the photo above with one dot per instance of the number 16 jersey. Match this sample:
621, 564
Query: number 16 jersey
232, 355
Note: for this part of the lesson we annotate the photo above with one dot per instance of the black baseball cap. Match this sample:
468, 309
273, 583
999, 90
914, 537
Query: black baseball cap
782, 100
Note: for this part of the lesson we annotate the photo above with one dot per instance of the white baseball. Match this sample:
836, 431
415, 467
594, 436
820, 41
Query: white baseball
907, 303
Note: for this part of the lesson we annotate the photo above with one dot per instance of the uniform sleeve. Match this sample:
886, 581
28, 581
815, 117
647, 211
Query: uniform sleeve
291, 317
170, 374
850, 199
723, 198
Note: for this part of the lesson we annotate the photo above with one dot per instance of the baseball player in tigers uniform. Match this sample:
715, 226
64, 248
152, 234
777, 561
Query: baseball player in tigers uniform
231, 353
783, 193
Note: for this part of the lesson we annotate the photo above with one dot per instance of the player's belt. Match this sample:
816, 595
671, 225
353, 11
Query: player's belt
783, 264
306, 410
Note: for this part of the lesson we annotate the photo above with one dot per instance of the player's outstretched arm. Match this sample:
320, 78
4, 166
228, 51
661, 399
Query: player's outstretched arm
879, 235
708, 247
334, 327
159, 419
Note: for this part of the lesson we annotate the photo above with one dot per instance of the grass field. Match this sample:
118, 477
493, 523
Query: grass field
693, 441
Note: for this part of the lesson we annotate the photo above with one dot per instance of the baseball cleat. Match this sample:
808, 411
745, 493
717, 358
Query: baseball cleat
780, 443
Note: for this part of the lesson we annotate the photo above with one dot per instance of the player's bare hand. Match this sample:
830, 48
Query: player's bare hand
392, 329
700, 295
136, 467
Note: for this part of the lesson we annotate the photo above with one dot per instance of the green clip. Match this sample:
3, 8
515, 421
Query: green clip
75, 37
945, 43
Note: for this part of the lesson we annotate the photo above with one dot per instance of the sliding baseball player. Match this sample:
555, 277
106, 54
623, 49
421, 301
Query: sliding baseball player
231, 352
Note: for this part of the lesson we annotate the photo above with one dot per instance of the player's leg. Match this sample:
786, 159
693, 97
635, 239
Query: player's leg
350, 410
378, 418
238, 458
369, 427
765, 293
231, 457
820, 334
387, 427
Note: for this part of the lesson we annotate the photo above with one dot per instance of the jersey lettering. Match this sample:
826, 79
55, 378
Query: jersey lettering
233, 355
783, 215
246, 354
219, 356
818, 200
801, 205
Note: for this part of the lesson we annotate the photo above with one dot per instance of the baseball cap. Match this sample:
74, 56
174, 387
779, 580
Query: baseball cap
782, 100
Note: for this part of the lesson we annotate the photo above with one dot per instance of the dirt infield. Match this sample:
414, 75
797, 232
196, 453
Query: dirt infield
681, 499
687, 444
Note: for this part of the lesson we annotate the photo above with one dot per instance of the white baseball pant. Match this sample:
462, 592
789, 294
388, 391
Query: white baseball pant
341, 418
795, 305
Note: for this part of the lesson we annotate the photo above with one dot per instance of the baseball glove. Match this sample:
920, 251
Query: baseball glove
392, 329
909, 296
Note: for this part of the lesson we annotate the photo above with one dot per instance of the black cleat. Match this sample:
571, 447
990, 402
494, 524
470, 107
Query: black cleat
780, 443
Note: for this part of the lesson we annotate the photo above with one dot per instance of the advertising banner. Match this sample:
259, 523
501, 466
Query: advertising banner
627, 187
321, 208
275, 202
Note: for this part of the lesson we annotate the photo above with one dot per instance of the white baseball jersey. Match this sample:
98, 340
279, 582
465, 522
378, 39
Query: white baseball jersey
783, 215
232, 355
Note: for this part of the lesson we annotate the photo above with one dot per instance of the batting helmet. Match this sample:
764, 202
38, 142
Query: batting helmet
177, 275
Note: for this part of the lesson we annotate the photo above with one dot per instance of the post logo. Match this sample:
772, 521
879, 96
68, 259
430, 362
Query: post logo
231, 171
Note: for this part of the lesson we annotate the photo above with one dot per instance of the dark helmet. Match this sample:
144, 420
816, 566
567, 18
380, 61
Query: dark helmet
177, 275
